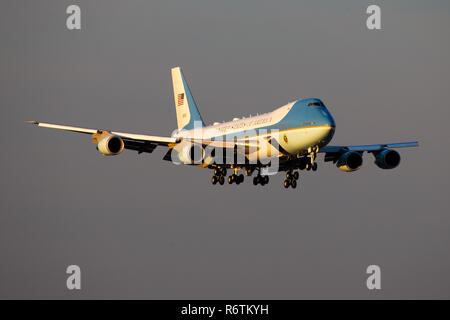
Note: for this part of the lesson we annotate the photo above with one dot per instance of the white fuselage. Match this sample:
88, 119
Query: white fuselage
260, 130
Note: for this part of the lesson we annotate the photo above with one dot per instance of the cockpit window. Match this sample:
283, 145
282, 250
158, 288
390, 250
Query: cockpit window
316, 104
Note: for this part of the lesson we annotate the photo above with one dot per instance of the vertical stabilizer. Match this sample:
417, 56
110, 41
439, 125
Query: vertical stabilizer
188, 116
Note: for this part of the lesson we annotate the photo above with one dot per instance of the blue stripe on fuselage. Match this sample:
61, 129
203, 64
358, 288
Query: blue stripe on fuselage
300, 116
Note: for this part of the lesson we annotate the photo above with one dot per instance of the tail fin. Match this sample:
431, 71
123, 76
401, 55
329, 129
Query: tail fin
187, 112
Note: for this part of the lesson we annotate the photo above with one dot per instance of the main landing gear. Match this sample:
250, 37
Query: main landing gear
219, 175
291, 179
219, 179
237, 178
259, 179
220, 171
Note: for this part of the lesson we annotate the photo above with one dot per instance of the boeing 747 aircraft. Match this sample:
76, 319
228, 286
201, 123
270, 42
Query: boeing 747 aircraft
287, 139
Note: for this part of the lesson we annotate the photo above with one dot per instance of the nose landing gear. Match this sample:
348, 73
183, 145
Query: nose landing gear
310, 158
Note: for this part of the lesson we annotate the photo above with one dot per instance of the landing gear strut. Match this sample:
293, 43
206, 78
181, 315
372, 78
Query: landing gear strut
260, 179
312, 166
220, 171
310, 158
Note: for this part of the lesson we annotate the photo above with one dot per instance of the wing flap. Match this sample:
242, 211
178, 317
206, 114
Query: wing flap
139, 146
142, 137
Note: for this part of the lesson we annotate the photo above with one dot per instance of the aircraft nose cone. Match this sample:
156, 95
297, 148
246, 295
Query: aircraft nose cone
330, 120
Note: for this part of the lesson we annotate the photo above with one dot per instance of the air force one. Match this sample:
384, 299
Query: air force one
287, 139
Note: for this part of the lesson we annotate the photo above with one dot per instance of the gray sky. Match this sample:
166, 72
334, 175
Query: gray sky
140, 227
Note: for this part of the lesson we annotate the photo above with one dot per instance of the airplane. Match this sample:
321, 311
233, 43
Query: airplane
287, 139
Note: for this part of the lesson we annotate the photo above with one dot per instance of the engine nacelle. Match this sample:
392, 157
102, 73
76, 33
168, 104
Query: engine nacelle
110, 145
191, 154
349, 161
387, 159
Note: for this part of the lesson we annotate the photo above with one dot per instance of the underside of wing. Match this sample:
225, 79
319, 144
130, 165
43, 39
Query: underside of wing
367, 147
349, 158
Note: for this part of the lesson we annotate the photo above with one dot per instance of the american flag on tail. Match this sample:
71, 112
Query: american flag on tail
180, 99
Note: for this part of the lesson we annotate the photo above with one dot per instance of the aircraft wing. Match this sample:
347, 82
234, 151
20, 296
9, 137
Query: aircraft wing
332, 153
132, 141
368, 147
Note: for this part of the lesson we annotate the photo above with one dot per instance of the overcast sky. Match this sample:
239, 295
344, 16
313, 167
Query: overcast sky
140, 227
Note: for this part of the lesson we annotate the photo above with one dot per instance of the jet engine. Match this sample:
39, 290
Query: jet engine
387, 159
110, 145
191, 154
349, 161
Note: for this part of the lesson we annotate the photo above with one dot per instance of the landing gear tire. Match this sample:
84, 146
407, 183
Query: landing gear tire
314, 166
260, 180
302, 165
217, 172
221, 180
289, 175
230, 179
286, 183
308, 166
293, 184
241, 178
224, 171
296, 175
214, 180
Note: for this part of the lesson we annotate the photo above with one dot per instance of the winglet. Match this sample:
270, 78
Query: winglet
32, 122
